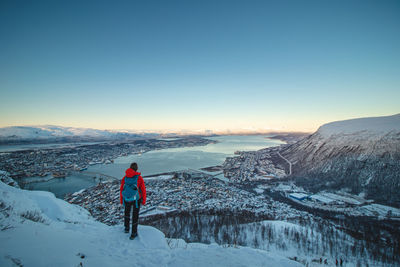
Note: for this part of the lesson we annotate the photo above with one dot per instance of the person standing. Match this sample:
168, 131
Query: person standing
132, 195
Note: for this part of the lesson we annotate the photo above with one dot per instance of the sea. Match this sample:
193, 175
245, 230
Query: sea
155, 162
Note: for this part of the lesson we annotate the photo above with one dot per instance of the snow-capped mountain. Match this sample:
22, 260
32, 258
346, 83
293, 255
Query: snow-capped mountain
56, 132
362, 155
38, 229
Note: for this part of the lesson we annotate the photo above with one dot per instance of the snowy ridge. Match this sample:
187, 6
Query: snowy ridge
38, 229
362, 155
360, 137
51, 131
376, 125
27, 132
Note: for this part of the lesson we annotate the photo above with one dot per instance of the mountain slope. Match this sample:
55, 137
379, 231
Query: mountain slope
51, 132
362, 155
38, 229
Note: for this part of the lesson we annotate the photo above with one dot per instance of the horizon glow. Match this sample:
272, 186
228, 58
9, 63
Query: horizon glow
209, 65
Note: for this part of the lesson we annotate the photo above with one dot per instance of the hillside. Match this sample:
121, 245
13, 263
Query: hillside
360, 155
38, 229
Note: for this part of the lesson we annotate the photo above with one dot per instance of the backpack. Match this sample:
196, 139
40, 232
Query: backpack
130, 192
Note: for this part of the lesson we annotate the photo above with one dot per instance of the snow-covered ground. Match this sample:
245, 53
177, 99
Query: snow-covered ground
380, 210
160, 177
38, 229
5, 178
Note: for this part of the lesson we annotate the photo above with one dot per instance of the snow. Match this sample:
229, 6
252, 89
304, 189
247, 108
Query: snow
259, 190
5, 178
57, 233
78, 192
380, 210
373, 125
46, 131
159, 177
322, 199
51, 131
226, 257
283, 187
278, 228
348, 199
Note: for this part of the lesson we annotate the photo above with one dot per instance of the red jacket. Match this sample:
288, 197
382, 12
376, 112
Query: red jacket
130, 173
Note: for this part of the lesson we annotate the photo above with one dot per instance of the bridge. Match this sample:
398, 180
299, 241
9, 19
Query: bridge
97, 175
206, 173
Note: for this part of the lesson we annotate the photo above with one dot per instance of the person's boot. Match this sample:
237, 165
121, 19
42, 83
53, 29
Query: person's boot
126, 230
133, 235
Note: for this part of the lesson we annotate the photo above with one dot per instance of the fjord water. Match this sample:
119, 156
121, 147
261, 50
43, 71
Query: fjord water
160, 161
172, 159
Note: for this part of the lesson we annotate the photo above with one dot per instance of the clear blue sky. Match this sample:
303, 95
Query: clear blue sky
285, 65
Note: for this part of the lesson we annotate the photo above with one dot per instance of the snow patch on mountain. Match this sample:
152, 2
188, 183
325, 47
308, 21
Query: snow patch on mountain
372, 125
362, 155
38, 229
51, 131
47, 131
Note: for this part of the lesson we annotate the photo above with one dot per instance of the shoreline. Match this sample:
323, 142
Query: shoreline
64, 160
103, 177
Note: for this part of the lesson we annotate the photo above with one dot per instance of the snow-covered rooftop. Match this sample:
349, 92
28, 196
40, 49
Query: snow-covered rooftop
298, 195
322, 199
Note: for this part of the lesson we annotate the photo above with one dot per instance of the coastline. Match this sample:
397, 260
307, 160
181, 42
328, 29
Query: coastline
106, 172
43, 162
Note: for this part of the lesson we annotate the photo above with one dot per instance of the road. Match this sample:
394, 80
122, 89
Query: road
290, 164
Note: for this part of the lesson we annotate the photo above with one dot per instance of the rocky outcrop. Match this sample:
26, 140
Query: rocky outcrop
5, 178
361, 155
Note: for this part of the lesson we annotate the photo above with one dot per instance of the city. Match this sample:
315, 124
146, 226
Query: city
59, 162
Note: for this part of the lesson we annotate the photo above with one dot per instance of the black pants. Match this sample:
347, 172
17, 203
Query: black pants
135, 215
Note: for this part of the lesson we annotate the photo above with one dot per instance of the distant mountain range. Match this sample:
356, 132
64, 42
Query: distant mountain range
50, 133
15, 134
360, 155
